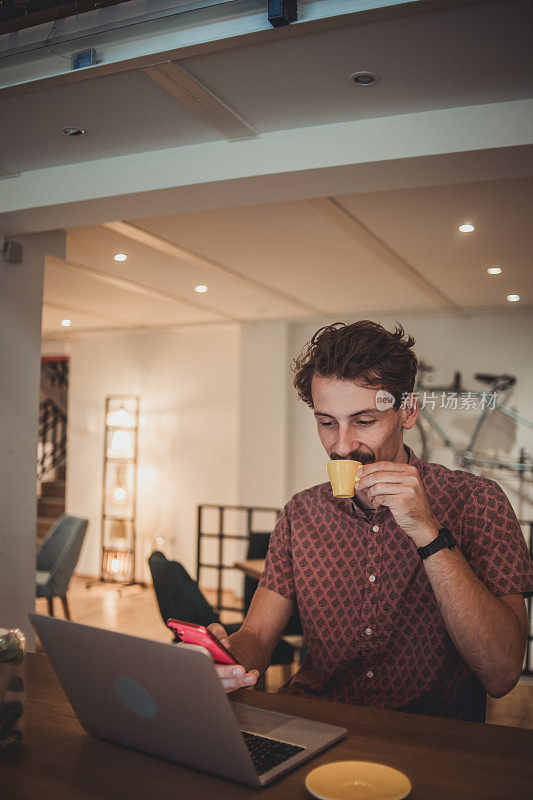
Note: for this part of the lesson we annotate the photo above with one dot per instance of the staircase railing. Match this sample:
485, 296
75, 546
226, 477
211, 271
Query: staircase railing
52, 437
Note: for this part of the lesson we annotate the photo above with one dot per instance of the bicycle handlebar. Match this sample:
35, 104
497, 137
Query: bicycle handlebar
501, 382
496, 382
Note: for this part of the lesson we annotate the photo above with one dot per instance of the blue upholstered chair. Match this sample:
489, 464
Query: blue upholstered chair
57, 559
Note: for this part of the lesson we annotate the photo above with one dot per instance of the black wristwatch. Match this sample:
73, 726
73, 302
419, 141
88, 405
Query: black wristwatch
444, 539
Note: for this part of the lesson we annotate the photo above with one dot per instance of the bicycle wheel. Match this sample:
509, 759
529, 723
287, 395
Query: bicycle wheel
417, 440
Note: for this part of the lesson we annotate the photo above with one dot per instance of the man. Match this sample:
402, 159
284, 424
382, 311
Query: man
411, 596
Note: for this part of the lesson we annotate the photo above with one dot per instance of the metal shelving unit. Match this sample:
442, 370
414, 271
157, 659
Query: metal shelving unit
222, 535
119, 491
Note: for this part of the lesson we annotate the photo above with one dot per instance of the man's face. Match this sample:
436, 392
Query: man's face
351, 427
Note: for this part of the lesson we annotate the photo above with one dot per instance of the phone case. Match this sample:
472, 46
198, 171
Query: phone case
190, 633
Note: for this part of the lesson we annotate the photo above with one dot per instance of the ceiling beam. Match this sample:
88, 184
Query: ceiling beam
77, 310
195, 260
167, 327
179, 83
319, 160
335, 212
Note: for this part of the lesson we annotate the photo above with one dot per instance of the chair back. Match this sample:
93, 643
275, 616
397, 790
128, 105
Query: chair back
59, 553
178, 595
257, 548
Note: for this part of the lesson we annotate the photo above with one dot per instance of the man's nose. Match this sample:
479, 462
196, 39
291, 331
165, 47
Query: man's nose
346, 443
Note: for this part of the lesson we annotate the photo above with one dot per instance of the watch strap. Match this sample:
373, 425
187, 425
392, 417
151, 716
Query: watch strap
444, 539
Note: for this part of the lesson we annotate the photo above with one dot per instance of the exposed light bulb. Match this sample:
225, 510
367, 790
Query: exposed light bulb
467, 227
120, 257
513, 298
66, 323
200, 288
494, 270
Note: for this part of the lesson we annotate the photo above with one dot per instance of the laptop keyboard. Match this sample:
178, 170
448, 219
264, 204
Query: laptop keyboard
268, 753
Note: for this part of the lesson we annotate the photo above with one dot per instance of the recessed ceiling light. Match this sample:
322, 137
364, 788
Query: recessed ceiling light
467, 227
66, 323
513, 298
120, 257
364, 78
494, 270
200, 288
72, 130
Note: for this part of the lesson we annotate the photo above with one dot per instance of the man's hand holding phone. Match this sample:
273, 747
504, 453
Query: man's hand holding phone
233, 676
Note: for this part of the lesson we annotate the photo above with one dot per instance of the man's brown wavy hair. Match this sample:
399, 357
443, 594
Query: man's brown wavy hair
364, 352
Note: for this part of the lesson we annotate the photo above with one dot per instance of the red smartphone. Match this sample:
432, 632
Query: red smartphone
190, 633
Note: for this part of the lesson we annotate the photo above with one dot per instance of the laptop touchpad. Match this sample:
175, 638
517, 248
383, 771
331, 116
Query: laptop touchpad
257, 720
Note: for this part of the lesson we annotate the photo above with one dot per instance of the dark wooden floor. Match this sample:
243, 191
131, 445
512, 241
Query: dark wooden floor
135, 609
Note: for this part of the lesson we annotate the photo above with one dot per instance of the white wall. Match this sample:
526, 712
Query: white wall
493, 342
263, 454
188, 384
21, 287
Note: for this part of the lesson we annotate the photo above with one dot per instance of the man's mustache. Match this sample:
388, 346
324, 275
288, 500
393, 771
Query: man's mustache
355, 455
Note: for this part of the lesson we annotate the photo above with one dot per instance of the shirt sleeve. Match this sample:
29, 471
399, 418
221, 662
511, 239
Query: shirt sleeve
493, 542
278, 575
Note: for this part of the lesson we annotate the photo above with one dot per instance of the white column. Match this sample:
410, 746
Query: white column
21, 293
263, 454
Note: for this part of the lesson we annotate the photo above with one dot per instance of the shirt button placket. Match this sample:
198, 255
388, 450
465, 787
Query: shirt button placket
369, 608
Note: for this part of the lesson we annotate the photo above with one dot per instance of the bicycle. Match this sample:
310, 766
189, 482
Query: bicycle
466, 457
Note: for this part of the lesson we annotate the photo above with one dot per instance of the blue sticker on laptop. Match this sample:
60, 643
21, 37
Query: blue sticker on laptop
135, 697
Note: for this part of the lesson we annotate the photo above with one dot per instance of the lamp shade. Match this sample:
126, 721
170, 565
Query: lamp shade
120, 418
121, 445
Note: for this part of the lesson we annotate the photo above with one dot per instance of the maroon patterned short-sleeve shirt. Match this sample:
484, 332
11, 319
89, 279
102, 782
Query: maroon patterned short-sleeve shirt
372, 626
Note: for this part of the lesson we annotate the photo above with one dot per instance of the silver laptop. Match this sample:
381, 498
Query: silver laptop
167, 700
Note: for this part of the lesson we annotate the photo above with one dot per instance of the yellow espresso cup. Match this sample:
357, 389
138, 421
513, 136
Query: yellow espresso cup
343, 476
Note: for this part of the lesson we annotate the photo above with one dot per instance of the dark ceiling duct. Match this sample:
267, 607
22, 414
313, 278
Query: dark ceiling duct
18, 14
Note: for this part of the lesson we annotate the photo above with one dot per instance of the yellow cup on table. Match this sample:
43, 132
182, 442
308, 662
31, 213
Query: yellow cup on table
343, 475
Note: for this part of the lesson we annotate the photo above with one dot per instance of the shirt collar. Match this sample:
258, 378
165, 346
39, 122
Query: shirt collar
412, 459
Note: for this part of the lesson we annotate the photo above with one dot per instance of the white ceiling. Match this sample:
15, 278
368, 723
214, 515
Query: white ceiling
392, 251
360, 253
449, 58
462, 55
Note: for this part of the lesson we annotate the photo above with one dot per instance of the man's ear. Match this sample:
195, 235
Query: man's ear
409, 410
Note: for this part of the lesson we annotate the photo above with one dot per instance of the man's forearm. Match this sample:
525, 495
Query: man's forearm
483, 628
248, 650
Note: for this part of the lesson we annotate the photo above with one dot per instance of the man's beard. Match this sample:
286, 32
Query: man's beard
355, 455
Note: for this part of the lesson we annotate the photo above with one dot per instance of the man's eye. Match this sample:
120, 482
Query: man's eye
326, 424
366, 421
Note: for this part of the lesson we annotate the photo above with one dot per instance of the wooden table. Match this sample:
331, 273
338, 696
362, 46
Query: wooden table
445, 759
253, 567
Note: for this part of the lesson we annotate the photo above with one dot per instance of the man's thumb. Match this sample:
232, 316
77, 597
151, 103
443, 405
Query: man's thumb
220, 633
